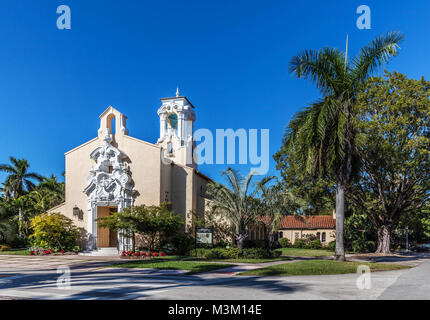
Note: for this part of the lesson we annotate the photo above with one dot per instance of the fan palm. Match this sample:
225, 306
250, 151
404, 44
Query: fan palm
19, 179
322, 136
237, 202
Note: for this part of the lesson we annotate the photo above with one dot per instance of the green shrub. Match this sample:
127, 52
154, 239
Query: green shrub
234, 253
284, 243
299, 243
198, 253
222, 244
223, 253
314, 244
53, 231
363, 246
182, 244
331, 246
216, 253
259, 253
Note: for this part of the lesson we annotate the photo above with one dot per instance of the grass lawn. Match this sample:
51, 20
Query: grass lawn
319, 267
240, 260
296, 252
192, 267
16, 252
245, 260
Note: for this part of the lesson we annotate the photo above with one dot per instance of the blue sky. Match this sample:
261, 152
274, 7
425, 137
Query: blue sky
229, 58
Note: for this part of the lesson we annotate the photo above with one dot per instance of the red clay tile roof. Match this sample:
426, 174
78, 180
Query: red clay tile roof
308, 222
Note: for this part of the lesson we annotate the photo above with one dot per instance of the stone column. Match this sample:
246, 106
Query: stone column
162, 126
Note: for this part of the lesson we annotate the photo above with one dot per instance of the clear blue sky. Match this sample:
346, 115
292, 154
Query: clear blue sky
228, 57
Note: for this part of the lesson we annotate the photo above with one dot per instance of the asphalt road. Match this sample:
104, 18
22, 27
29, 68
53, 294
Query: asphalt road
26, 278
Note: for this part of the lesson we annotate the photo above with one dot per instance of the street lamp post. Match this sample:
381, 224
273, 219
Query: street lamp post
407, 240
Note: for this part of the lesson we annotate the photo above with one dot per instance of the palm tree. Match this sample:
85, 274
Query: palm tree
322, 136
271, 199
52, 189
277, 202
237, 202
6, 190
19, 179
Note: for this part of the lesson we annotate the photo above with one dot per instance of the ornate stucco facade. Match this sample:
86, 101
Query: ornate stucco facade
115, 171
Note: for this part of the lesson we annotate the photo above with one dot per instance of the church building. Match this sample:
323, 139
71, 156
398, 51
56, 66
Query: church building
115, 171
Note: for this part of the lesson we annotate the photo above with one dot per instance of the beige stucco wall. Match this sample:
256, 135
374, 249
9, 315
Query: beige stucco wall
78, 165
154, 180
290, 234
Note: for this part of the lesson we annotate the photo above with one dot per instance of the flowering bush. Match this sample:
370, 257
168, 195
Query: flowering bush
142, 254
51, 230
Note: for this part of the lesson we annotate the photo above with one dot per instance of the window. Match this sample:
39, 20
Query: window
281, 234
111, 123
319, 235
323, 237
110, 169
173, 120
297, 235
169, 148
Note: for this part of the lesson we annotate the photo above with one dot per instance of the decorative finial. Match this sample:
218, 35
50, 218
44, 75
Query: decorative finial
177, 91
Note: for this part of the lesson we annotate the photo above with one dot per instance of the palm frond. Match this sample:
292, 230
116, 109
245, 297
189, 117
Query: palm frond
322, 67
374, 55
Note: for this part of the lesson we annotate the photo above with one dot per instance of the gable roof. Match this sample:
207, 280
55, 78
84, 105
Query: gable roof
308, 222
111, 109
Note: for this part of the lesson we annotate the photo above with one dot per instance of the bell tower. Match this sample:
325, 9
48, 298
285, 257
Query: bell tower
177, 118
114, 121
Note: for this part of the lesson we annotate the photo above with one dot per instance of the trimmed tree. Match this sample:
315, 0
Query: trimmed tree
393, 144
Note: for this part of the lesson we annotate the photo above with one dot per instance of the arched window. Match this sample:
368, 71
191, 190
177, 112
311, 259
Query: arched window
111, 123
323, 237
169, 148
173, 120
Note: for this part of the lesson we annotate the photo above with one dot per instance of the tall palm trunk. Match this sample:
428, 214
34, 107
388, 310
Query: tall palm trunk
20, 222
340, 217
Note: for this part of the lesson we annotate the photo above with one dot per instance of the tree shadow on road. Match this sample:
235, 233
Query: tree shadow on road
107, 283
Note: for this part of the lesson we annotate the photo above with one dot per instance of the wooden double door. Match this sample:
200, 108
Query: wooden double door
106, 238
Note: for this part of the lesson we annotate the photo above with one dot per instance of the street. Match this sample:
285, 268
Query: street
90, 279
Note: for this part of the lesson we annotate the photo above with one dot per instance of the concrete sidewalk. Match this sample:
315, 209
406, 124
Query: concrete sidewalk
411, 285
